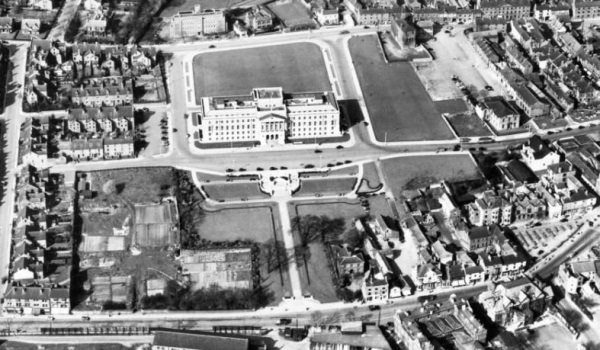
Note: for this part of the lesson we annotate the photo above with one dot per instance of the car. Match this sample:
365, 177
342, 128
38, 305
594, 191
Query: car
489, 88
284, 321
374, 307
85, 318
340, 147
447, 32
318, 151
367, 27
211, 46
174, 129
343, 32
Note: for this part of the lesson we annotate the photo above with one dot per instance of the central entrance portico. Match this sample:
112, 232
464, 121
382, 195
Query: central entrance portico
273, 129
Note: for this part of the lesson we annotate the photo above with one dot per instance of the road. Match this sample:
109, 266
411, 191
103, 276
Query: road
11, 119
67, 12
205, 320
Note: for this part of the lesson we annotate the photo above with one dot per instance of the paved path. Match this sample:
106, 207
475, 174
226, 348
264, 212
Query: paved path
288, 240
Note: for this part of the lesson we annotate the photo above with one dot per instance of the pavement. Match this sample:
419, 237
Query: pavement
288, 240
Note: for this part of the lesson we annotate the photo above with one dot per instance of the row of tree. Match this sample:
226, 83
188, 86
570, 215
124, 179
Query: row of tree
177, 297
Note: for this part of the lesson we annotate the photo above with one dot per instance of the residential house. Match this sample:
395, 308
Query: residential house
585, 9
508, 9
375, 285
42, 5
537, 154
500, 114
36, 300
259, 19
409, 333
404, 33
382, 13
579, 277
6, 25
485, 24
327, 17
347, 262
427, 276
533, 105
481, 238
386, 227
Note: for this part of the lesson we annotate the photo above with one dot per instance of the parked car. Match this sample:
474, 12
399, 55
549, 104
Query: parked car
374, 307
211, 46
284, 321
343, 32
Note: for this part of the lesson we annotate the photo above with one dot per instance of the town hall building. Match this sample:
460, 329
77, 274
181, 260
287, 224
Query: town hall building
269, 116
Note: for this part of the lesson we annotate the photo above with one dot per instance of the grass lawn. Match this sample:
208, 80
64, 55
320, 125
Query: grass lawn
379, 206
310, 187
347, 209
404, 173
137, 185
467, 125
317, 282
295, 67
396, 100
238, 223
234, 191
206, 177
370, 175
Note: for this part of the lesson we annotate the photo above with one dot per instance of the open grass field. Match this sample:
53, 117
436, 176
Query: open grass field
469, 125
206, 177
396, 100
406, 173
318, 282
234, 191
292, 13
295, 67
333, 186
104, 223
237, 223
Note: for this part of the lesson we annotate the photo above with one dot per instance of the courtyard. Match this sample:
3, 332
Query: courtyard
295, 67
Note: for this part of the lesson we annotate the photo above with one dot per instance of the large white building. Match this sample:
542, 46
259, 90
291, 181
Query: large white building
269, 116
197, 22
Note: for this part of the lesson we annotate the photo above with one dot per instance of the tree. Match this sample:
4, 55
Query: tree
354, 238
575, 320
331, 228
275, 255
316, 318
307, 228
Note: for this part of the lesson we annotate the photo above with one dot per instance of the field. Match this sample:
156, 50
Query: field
295, 67
91, 244
326, 187
292, 14
139, 186
234, 191
397, 102
238, 223
406, 173
468, 125
349, 210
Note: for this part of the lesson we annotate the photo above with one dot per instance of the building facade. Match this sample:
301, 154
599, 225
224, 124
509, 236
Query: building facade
269, 117
197, 22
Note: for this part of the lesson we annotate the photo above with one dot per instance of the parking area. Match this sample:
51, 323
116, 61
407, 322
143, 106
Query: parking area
454, 56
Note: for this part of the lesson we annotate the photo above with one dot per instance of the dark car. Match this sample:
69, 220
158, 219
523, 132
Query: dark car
318, 151
489, 88
374, 307
367, 27
344, 32
340, 147
211, 46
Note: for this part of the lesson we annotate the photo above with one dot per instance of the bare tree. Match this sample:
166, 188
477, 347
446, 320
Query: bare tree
275, 255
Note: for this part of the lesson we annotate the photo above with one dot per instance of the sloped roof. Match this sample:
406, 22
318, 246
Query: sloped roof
199, 341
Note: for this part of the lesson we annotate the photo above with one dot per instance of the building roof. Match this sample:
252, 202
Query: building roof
199, 341
539, 148
500, 107
372, 337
